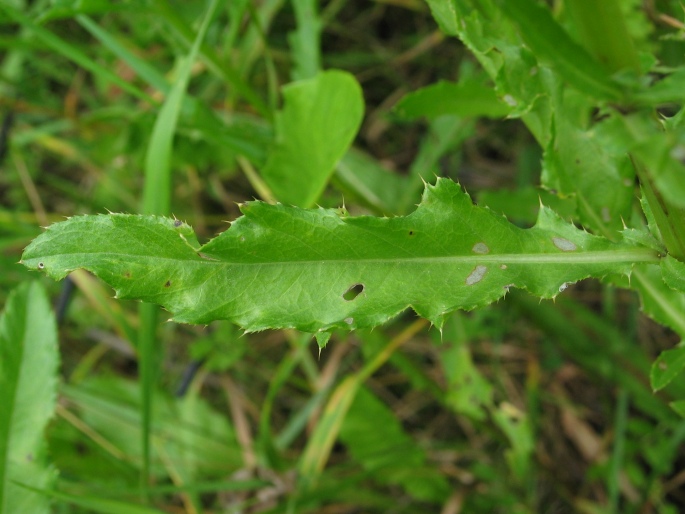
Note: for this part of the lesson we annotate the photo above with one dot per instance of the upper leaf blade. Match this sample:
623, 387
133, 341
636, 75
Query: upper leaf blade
320, 118
280, 266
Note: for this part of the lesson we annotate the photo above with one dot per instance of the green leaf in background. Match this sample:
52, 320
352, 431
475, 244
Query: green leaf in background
318, 122
659, 301
586, 163
361, 177
389, 454
306, 40
467, 98
674, 273
28, 381
97, 504
550, 42
314, 270
666, 367
602, 29
468, 391
517, 427
188, 436
71, 52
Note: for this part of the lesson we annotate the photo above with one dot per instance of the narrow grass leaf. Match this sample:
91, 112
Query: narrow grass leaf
321, 442
95, 503
157, 200
574, 329
305, 40
71, 52
28, 381
320, 118
315, 270
144, 70
71, 8
218, 65
203, 441
157, 191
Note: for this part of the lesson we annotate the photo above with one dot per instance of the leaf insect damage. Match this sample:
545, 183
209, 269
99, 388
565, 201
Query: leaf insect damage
353, 291
279, 266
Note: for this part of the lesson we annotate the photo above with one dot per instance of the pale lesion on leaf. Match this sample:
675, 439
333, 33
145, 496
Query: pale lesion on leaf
476, 275
564, 244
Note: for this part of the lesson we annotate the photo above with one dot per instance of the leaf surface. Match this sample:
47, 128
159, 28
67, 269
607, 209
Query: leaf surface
28, 381
284, 267
466, 98
673, 272
547, 39
319, 120
666, 367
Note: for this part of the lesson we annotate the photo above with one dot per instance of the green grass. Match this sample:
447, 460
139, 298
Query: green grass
191, 109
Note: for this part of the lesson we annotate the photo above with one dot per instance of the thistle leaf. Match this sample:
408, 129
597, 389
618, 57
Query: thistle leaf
317, 269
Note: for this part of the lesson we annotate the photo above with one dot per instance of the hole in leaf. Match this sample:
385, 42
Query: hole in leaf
353, 291
41, 265
349, 321
411, 232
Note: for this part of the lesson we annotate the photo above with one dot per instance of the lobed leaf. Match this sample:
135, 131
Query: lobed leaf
285, 267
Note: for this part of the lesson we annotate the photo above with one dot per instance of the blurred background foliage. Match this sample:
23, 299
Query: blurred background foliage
519, 407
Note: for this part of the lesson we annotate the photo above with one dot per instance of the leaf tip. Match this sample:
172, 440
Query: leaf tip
322, 338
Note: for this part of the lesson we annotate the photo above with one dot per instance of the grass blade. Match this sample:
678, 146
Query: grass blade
71, 52
157, 200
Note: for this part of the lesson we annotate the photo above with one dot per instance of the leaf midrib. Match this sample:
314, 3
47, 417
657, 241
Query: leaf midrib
637, 255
